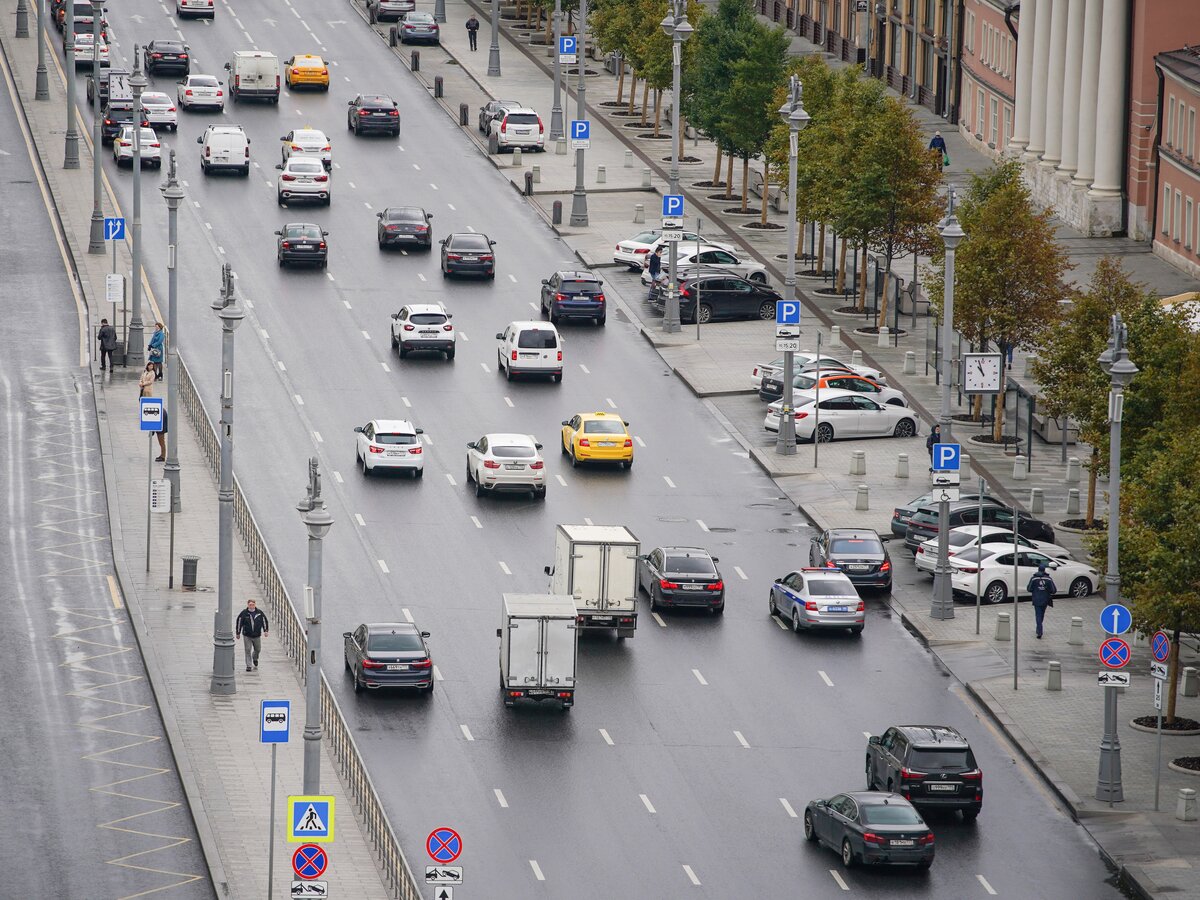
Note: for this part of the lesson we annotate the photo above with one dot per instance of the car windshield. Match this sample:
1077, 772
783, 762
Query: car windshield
378, 101
972, 554
644, 237
856, 545
405, 214
427, 319
924, 517
603, 426
537, 340
511, 451
395, 438
202, 81
829, 587
935, 758
522, 119
305, 167
961, 539
890, 814
310, 136
691, 565
120, 113
468, 242
393, 642
581, 286
153, 98
302, 231
167, 47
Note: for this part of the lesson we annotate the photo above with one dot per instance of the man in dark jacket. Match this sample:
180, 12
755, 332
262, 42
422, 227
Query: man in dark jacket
252, 626
1042, 591
107, 338
938, 144
473, 32
935, 437
654, 267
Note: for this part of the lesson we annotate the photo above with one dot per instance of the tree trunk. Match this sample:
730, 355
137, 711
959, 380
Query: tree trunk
801, 224
729, 177
528, 14
766, 193
550, 31
620, 81
657, 112
745, 184
1172, 679
1090, 518
717, 170
820, 264
998, 425
886, 292
839, 283
862, 282
633, 79
682, 132
645, 102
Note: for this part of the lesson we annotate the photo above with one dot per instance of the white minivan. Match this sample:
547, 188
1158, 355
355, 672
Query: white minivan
253, 75
530, 348
224, 147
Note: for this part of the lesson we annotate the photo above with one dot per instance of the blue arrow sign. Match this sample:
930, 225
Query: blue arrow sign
1116, 618
672, 206
274, 720
947, 457
581, 130
787, 312
114, 228
567, 45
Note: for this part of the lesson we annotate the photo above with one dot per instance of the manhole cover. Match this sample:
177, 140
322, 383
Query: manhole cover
673, 520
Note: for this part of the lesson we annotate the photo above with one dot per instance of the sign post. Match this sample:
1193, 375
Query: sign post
945, 461
114, 232
153, 417
1160, 647
1115, 619
275, 721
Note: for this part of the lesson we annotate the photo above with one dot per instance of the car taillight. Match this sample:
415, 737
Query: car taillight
408, 328
886, 567
541, 127
628, 442
420, 227
514, 356
296, 149
684, 292
171, 109
208, 152
969, 570
503, 125
371, 664
925, 838
973, 775
318, 178
325, 71
287, 177
487, 257
667, 585
715, 586
861, 607
537, 465
872, 838
247, 152
276, 77
560, 356
394, 112
584, 442
422, 664
599, 298
490, 464
830, 564
183, 56
108, 121
220, 93
156, 56
560, 296
295, 71
811, 605
375, 449
453, 256
415, 451
921, 549
321, 246
327, 149
188, 92
447, 328
564, 695
641, 250
286, 245
911, 774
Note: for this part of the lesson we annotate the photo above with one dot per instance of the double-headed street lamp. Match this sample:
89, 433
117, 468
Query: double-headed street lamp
318, 521
1120, 370
556, 112
676, 26
579, 209
792, 112
42, 89
135, 348
96, 234
71, 140
231, 314
173, 194
494, 49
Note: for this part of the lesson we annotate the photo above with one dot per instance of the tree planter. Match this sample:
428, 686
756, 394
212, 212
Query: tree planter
651, 136
1006, 440
850, 312
1079, 526
1183, 726
759, 226
874, 330
624, 113
965, 419
685, 160
708, 184
738, 211
1188, 765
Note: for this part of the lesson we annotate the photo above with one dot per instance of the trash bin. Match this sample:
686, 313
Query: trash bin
189, 572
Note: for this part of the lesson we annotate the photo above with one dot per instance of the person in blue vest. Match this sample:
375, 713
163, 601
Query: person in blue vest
1042, 590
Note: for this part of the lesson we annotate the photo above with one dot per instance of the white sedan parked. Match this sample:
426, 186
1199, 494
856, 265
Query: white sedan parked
160, 110
994, 574
303, 178
633, 251
151, 149
308, 142
389, 444
716, 257
197, 91
844, 414
506, 463
995, 538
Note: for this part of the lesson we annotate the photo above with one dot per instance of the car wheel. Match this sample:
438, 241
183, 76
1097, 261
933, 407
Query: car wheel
824, 433
1080, 587
539, 494
346, 662
771, 604
654, 604
718, 610
970, 815
848, 859
766, 310
996, 592
279, 199
507, 374
403, 353
705, 314
478, 488
870, 776
358, 685
419, 473
600, 320
280, 262
366, 470
627, 464
856, 630
924, 864
450, 354
905, 428
758, 277
395, 341
349, 123
796, 621
810, 833
574, 459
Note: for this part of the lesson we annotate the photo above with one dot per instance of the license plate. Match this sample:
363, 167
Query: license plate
429, 334
837, 609
470, 259
397, 668
858, 568
514, 466
605, 444
304, 246
603, 619
395, 453
902, 843
691, 587
948, 788
538, 692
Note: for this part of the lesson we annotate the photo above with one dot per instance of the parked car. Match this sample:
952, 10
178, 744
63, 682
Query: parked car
807, 361
468, 253
924, 523
302, 242
423, 327
858, 552
994, 538
167, 56
843, 414
499, 463
902, 515
715, 258
681, 576
869, 827
519, 127
931, 765
393, 444
634, 251
150, 149
400, 226
389, 10
570, 294
765, 370
493, 110
771, 388
817, 598
373, 112
419, 28
388, 654
993, 571
717, 295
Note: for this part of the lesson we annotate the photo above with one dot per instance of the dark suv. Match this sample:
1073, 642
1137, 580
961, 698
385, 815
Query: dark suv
719, 295
858, 552
373, 112
573, 295
924, 523
116, 116
931, 766
167, 56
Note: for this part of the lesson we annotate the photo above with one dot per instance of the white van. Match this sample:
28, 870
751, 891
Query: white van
253, 75
224, 147
530, 348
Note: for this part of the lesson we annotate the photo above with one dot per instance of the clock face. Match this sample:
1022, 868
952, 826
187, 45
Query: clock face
982, 373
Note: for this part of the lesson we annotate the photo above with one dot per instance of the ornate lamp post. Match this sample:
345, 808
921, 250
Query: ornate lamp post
675, 25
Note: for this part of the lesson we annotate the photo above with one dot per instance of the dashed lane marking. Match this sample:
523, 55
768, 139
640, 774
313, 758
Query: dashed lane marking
505, 569
787, 807
838, 878
500, 798
825, 678
407, 616
987, 887
537, 870
741, 740
450, 478
383, 566
604, 734
740, 573
362, 523
687, 870
646, 803
659, 619
671, 484
466, 732
475, 519
699, 677
562, 481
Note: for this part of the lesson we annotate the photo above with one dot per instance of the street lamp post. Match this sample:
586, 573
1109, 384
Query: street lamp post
71, 142
42, 89
173, 194
439, 11
579, 210
556, 113
676, 26
942, 606
1120, 369
792, 112
494, 50
96, 234
231, 314
317, 520
22, 19
135, 350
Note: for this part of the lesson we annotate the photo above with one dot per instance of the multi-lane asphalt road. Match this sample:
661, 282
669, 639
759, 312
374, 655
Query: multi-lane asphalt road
694, 746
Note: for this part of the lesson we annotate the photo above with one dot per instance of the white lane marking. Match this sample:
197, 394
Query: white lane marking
305, 24
740, 573
669, 482
406, 402
867, 735
386, 367
466, 732
426, 439
221, 250
451, 205
561, 480
318, 438
646, 803
471, 228
419, 275
437, 674
741, 740
659, 619
586, 370
351, 183
197, 202
415, 166
335, 165
500, 798
533, 305
337, 476
367, 205
504, 568
825, 678
485, 367
508, 402
263, 332
346, 303
691, 875
432, 185
512, 278
779, 621
400, 147
838, 878
537, 870
699, 677
475, 519
329, 275
463, 335
407, 616
450, 478
366, 335
703, 527
787, 807
640, 442
987, 887
587, 521
611, 405
360, 520
208, 225
282, 367
299, 399
607, 739
383, 566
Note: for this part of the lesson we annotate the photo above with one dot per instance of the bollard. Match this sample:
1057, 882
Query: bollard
885, 337
1191, 683
437, 85
910, 363
1020, 468
1075, 637
464, 114
537, 174
1037, 502
1185, 809
1073, 502
629, 159
902, 465
560, 147
1054, 676
188, 583
862, 498
1004, 627
964, 465
516, 157
639, 213
528, 184
493, 144
1140, 639
646, 179
416, 60
1027, 368
1073, 470
601, 174
835, 336
858, 462
856, 357
393, 37
556, 213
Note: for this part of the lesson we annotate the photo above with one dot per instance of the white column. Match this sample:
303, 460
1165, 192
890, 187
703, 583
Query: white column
1110, 99
1040, 81
1089, 78
1020, 138
1055, 85
1074, 70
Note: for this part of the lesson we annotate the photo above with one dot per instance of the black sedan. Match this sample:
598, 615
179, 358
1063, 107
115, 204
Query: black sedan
858, 552
681, 576
302, 242
574, 295
391, 654
870, 827
718, 295
404, 226
373, 112
167, 56
116, 118
468, 253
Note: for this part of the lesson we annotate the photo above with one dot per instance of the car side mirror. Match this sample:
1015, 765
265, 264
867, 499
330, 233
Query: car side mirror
471, 445
626, 424
873, 739
424, 634
565, 422
429, 215
379, 215
442, 241
537, 446
545, 281
324, 234
420, 431
549, 570
449, 315
279, 166
279, 232
358, 429
349, 102
500, 337
345, 634
284, 138
715, 560
498, 634
200, 140
491, 243
228, 68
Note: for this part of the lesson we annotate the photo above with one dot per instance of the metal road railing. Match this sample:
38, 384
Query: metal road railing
289, 627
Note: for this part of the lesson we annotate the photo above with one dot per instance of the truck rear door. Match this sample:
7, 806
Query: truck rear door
587, 577
524, 649
558, 653
622, 577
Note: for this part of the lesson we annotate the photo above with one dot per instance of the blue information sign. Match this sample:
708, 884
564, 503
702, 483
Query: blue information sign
114, 228
1116, 618
581, 130
672, 205
787, 312
567, 45
153, 414
275, 721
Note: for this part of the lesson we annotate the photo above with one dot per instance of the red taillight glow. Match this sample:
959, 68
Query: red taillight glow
684, 292
409, 328
584, 442
872, 838
156, 56
886, 567
911, 774
628, 442
375, 449
287, 177
560, 297
220, 93
925, 839
861, 607
491, 464
811, 605
599, 298
188, 92
369, 664
320, 177
295, 71
560, 356
415, 451
667, 585
564, 695
537, 465
296, 149
503, 126
541, 127
715, 586
830, 564
286, 245
394, 112
974, 775
487, 257
422, 664
327, 148
321, 245
453, 256
447, 328
514, 356
183, 56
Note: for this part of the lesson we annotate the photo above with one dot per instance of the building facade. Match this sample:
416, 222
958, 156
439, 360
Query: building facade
1175, 197
989, 74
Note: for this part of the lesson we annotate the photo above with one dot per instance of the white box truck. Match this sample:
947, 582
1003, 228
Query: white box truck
253, 75
597, 565
537, 648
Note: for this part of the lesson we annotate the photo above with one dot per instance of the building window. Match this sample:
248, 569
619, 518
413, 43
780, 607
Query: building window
1166, 225
1008, 126
1191, 131
1187, 224
996, 121
980, 101
1178, 210
1008, 45
1170, 121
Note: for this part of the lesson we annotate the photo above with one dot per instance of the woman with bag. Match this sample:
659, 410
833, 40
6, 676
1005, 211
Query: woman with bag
155, 350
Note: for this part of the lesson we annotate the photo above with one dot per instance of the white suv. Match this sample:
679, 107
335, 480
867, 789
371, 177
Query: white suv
506, 462
520, 127
530, 348
203, 9
423, 326
390, 444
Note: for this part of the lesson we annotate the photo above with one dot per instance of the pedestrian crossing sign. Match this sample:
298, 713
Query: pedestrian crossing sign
310, 819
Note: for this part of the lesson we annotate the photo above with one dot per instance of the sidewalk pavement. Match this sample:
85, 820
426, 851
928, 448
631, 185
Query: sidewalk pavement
224, 769
1058, 732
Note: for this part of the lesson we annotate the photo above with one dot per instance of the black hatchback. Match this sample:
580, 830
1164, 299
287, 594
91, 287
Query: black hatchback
373, 112
858, 552
117, 117
708, 296
924, 524
302, 242
167, 56
573, 295
404, 226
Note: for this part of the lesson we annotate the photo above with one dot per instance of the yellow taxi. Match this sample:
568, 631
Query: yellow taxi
306, 70
597, 437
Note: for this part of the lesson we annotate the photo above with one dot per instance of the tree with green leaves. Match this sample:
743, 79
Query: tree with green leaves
613, 30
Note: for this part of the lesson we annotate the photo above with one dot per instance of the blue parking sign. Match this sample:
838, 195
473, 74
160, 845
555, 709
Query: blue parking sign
947, 457
567, 45
581, 130
672, 206
787, 312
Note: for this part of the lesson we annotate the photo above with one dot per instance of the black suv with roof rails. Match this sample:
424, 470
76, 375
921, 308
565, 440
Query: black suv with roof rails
931, 766
373, 112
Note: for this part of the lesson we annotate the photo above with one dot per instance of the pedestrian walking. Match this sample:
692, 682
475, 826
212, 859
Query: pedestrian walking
473, 32
654, 267
107, 338
154, 350
935, 437
938, 143
1042, 591
252, 627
